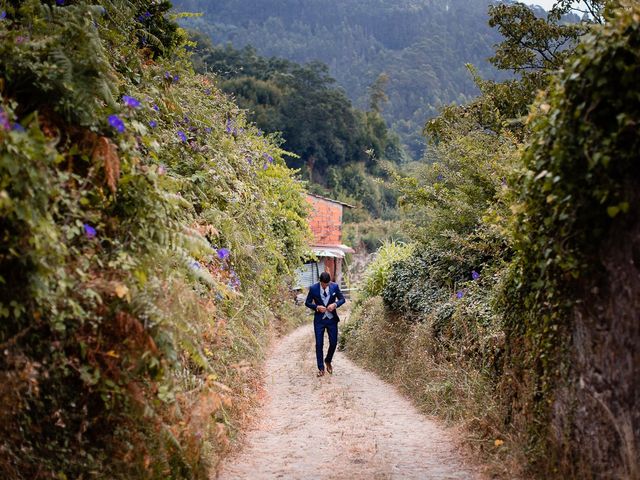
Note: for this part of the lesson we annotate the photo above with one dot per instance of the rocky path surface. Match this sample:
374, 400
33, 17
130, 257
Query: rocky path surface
349, 425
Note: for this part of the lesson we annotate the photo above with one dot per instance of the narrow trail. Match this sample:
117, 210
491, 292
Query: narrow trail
349, 425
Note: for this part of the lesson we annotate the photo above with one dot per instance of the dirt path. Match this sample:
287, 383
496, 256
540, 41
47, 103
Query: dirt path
350, 425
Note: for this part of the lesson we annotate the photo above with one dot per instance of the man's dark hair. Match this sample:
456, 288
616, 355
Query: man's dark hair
325, 277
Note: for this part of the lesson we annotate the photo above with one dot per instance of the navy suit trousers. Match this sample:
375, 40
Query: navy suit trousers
331, 326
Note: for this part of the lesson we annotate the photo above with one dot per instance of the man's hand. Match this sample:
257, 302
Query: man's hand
332, 307
321, 308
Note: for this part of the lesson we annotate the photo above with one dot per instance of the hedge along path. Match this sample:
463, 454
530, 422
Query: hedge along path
349, 425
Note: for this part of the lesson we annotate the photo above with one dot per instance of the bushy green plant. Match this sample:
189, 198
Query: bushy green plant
137, 207
375, 276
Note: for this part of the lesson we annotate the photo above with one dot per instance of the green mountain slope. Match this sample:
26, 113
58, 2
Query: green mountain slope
421, 45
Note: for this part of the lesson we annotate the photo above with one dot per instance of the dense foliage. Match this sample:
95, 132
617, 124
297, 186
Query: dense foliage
138, 208
422, 47
576, 196
517, 311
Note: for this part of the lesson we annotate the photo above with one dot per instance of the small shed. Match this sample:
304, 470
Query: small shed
326, 224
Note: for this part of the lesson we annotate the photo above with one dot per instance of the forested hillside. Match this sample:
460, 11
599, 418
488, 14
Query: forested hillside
339, 148
422, 47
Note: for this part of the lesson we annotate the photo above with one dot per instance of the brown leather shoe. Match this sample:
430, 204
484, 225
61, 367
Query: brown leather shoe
329, 368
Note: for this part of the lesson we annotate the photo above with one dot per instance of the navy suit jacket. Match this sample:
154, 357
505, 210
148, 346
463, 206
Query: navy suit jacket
314, 298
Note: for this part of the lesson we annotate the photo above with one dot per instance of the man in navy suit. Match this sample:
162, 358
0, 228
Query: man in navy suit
324, 298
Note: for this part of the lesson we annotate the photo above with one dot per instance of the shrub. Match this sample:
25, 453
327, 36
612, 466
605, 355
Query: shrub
137, 207
375, 276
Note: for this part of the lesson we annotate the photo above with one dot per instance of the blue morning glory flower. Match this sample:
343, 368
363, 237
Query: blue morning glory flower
460, 294
440, 178
89, 231
223, 253
130, 102
155, 107
153, 124
116, 122
475, 275
182, 136
176, 78
4, 120
3, 15
268, 157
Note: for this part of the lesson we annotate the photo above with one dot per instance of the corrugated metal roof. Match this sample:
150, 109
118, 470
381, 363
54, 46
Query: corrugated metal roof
330, 200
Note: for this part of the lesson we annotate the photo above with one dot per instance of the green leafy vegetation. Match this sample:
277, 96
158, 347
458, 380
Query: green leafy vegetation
523, 232
146, 228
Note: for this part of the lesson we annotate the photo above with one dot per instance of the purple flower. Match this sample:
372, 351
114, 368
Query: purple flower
116, 122
4, 120
130, 101
440, 178
460, 294
223, 253
176, 78
155, 107
208, 129
153, 123
266, 165
162, 170
20, 39
207, 91
3, 15
182, 136
167, 75
229, 127
17, 127
268, 157
195, 265
89, 231
475, 275
60, 3
144, 16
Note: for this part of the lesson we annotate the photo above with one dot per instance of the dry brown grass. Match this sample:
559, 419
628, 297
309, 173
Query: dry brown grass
457, 391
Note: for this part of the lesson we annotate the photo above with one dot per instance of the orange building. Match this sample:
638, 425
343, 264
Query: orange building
326, 224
